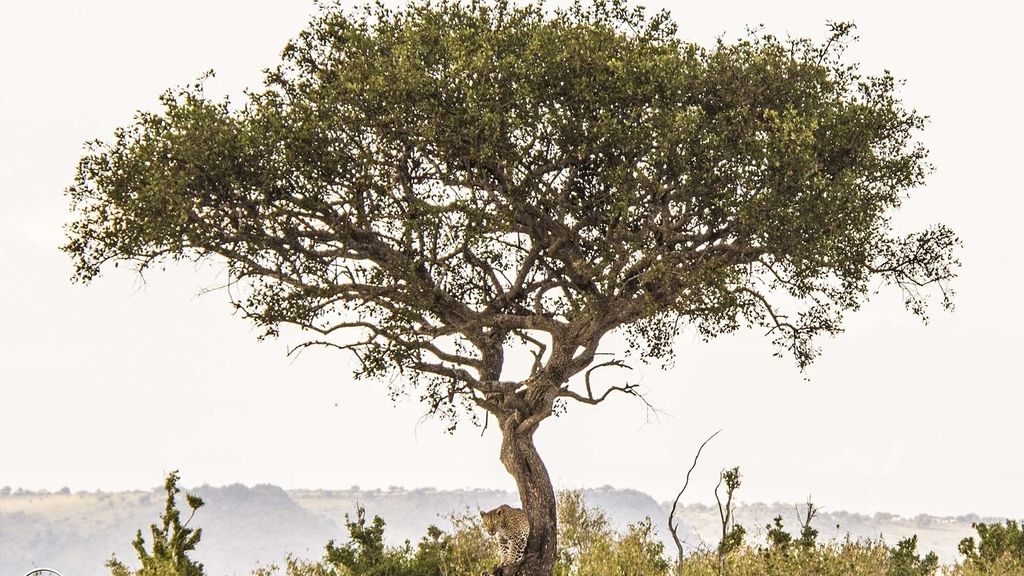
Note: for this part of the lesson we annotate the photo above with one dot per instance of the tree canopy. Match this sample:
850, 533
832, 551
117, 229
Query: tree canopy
422, 185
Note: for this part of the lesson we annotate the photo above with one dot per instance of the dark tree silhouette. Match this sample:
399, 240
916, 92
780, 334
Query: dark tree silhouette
433, 186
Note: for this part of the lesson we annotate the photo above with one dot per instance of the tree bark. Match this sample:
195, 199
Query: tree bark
522, 461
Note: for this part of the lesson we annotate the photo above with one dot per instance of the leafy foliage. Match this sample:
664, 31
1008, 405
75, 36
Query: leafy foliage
905, 561
580, 529
996, 543
365, 553
589, 546
171, 540
784, 554
437, 554
846, 558
428, 184
778, 538
808, 536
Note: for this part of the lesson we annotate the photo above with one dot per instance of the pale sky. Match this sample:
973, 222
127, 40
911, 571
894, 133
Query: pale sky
111, 385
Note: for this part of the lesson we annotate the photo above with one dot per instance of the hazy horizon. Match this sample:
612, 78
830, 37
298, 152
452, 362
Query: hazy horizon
687, 500
247, 527
112, 385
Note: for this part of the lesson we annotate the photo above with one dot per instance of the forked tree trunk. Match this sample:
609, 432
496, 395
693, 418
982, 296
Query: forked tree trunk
522, 461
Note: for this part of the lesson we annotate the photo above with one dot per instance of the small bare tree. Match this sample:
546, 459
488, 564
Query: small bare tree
673, 524
808, 535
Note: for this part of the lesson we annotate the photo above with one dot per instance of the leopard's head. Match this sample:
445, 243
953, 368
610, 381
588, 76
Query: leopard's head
492, 519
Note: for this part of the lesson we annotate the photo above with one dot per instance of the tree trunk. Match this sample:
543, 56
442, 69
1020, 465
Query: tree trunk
522, 461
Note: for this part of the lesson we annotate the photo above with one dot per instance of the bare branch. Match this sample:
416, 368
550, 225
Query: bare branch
538, 352
630, 389
810, 513
610, 363
627, 389
673, 528
448, 372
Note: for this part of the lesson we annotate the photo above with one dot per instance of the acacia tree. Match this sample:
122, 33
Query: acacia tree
433, 187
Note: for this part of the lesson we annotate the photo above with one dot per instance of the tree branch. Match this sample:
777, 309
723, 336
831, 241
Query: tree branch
673, 529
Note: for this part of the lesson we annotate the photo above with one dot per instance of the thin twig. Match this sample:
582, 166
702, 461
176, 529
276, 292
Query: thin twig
671, 515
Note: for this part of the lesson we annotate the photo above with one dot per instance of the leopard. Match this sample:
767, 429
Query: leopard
512, 529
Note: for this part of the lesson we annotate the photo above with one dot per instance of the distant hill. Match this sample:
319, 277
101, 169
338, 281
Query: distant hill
77, 533
244, 527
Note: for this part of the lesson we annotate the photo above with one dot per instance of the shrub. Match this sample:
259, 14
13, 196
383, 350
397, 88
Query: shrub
365, 553
784, 555
582, 532
998, 550
994, 542
469, 550
172, 540
590, 548
465, 550
838, 558
905, 561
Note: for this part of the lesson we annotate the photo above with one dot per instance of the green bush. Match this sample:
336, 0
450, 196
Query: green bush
905, 561
297, 567
463, 551
470, 550
994, 542
365, 553
1004, 565
805, 556
589, 547
844, 558
999, 549
172, 540
582, 533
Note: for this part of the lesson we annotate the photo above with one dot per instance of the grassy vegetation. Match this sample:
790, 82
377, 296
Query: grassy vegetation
590, 547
